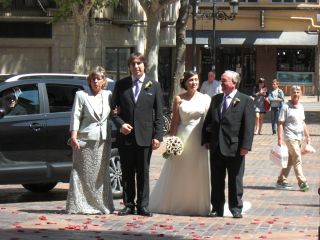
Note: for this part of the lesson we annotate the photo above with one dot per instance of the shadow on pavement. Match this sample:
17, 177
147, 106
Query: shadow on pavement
16, 195
44, 211
260, 187
77, 232
299, 205
312, 117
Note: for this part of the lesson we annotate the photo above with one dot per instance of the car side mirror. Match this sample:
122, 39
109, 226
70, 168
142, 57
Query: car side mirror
2, 113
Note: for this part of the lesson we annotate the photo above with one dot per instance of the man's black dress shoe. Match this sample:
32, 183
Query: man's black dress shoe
237, 215
215, 214
126, 211
144, 212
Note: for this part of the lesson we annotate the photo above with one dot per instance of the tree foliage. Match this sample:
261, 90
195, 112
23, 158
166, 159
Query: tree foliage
66, 7
181, 27
80, 10
153, 10
5, 3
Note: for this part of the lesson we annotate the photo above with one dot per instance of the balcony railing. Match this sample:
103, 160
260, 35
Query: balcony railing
27, 8
128, 12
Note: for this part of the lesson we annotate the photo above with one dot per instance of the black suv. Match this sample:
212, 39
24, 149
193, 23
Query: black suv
34, 134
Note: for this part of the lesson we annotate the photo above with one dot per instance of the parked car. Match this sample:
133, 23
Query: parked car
34, 132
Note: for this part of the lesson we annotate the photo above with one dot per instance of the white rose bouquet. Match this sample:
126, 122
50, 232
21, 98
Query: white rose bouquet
174, 146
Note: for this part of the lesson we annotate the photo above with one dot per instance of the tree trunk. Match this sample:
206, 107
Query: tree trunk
152, 50
153, 10
181, 49
81, 25
80, 43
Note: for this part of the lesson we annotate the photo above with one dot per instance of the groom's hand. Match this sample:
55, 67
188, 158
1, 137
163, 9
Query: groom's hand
126, 128
243, 151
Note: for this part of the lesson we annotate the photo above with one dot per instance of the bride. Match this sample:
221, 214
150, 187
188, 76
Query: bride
183, 187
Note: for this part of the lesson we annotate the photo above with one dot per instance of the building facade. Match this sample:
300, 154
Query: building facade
268, 38
31, 42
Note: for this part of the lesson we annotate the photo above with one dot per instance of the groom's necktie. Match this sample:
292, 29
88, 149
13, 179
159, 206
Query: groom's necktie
136, 89
225, 105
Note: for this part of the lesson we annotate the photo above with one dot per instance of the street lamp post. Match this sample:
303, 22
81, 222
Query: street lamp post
194, 46
221, 15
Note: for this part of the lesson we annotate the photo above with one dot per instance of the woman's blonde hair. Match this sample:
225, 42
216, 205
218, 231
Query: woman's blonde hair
98, 70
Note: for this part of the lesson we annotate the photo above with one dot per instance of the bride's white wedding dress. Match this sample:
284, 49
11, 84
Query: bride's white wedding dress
184, 184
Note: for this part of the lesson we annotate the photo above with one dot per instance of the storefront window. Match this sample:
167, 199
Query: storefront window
295, 65
295, 1
295, 77
295, 60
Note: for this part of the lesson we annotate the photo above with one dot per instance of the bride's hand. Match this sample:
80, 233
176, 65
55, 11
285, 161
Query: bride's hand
155, 144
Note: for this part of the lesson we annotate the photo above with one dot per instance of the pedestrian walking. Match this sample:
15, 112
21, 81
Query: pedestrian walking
292, 130
276, 97
260, 94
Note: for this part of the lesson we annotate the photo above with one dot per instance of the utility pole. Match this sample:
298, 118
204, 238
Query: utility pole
213, 44
318, 61
194, 46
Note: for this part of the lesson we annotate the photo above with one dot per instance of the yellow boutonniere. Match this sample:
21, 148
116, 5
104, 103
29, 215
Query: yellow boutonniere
148, 85
236, 101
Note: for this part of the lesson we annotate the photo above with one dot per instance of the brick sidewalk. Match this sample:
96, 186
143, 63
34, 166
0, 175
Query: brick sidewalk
274, 214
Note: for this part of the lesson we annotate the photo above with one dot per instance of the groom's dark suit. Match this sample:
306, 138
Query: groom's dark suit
145, 116
226, 135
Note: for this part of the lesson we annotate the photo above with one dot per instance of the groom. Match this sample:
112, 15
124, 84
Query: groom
228, 133
137, 101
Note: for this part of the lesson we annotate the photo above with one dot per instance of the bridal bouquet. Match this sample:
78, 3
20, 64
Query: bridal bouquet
174, 146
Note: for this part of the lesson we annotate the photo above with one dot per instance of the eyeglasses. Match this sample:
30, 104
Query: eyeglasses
295, 87
225, 80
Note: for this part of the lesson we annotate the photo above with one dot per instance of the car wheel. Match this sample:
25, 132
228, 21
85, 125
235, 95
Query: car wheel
115, 173
39, 187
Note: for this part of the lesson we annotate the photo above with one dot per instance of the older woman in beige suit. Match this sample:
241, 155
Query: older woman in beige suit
90, 189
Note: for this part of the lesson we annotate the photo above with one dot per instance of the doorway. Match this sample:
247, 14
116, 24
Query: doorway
241, 60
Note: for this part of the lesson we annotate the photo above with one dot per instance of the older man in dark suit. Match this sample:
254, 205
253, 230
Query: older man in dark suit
228, 133
137, 101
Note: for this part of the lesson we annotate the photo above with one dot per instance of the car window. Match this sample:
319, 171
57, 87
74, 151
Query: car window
61, 96
110, 85
20, 100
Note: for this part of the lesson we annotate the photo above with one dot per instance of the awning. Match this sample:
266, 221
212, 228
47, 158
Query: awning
255, 38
